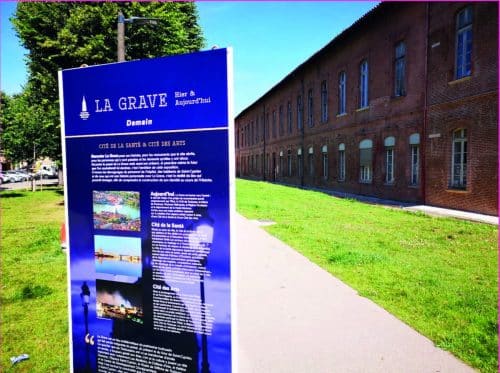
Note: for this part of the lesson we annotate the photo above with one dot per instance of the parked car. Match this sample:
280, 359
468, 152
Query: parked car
14, 177
19, 175
4, 178
25, 175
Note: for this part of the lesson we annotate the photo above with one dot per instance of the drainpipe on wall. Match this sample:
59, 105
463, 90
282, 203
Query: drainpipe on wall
264, 161
302, 130
424, 130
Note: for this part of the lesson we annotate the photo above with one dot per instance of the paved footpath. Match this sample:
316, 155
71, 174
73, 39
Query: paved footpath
295, 317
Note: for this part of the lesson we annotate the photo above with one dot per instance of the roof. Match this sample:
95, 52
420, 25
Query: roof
356, 26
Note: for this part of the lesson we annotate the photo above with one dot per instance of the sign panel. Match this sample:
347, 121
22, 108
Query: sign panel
149, 199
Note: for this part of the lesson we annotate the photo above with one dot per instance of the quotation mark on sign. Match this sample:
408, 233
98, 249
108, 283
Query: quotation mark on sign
89, 339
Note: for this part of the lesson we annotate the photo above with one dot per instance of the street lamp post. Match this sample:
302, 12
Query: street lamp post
121, 31
202, 239
85, 296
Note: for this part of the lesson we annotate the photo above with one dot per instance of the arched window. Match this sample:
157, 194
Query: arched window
415, 158
365, 161
324, 158
389, 143
341, 162
300, 162
310, 158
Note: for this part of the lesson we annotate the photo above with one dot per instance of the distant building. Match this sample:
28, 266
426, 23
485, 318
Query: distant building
402, 105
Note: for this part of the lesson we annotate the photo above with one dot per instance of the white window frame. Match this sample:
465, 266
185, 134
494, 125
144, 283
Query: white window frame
365, 169
414, 159
459, 159
310, 161
389, 165
300, 162
341, 162
389, 144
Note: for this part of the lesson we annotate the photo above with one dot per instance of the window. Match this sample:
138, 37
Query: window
363, 84
256, 129
342, 92
282, 120
389, 143
459, 159
282, 165
365, 161
464, 43
310, 116
289, 161
324, 102
267, 126
310, 158
324, 156
300, 162
414, 161
252, 132
300, 112
263, 124
289, 116
341, 162
399, 70
274, 123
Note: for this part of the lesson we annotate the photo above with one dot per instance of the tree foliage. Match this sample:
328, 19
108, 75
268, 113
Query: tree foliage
68, 34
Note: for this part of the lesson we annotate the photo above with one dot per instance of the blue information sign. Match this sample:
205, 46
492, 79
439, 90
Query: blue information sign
149, 200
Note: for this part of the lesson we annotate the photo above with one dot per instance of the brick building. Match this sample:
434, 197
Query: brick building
404, 110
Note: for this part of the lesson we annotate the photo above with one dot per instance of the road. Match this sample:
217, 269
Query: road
27, 184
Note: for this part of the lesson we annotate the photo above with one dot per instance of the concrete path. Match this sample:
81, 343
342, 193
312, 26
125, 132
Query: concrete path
464, 215
295, 317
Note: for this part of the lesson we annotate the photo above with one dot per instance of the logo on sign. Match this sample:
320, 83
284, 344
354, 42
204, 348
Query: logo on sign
84, 114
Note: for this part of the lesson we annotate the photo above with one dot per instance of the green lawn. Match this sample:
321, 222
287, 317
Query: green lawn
437, 275
33, 287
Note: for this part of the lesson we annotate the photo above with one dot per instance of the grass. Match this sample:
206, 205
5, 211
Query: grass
34, 313
438, 275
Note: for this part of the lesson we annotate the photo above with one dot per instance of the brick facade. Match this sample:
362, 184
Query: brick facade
469, 103
397, 125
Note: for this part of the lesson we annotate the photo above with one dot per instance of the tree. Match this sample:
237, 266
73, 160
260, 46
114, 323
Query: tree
68, 34
26, 130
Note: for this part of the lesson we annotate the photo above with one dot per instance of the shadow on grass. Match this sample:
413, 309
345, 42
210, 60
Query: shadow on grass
29, 292
11, 195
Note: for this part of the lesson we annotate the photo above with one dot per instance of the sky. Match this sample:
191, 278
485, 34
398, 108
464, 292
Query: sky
269, 39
